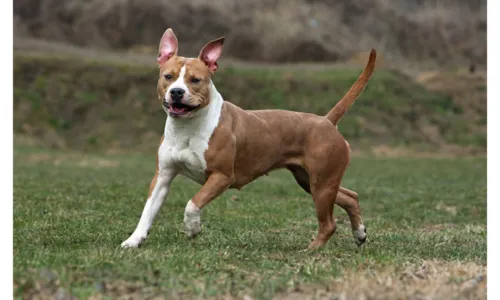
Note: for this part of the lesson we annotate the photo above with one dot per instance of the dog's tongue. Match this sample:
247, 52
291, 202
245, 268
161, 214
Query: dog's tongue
179, 109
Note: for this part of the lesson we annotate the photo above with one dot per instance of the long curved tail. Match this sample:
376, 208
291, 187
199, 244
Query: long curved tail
341, 107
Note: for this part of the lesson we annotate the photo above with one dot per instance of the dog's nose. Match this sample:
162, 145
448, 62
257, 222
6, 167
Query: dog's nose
176, 93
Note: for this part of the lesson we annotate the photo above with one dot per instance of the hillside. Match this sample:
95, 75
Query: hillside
106, 100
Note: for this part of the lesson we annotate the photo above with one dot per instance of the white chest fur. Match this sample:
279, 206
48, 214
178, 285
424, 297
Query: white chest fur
186, 140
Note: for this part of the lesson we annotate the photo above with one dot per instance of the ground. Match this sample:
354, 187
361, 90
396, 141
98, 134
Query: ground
426, 220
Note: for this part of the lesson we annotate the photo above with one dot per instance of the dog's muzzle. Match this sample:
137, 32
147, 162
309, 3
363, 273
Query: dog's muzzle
177, 109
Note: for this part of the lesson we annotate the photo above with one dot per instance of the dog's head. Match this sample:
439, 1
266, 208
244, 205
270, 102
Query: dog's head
185, 83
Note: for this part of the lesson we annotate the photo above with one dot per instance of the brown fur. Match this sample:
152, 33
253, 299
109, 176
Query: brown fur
248, 144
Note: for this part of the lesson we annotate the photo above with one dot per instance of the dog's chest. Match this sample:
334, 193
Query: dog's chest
186, 141
184, 151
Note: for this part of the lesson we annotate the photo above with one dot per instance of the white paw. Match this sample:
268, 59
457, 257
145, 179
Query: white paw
133, 241
193, 226
360, 235
192, 220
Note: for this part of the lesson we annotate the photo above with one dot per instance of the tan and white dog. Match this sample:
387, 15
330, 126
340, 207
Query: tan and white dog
221, 146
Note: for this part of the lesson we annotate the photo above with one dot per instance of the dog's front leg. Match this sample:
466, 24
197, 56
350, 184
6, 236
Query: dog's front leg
159, 188
216, 184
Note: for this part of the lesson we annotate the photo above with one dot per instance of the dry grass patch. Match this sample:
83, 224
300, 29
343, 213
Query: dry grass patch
427, 280
83, 161
445, 151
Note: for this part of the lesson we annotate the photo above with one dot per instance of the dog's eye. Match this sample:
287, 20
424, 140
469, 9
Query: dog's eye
168, 76
195, 80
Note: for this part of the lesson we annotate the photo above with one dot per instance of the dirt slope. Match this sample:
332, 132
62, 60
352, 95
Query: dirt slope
410, 33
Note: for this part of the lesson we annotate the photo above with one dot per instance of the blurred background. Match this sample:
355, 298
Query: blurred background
85, 71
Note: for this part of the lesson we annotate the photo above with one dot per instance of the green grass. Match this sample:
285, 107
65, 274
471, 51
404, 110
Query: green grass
72, 211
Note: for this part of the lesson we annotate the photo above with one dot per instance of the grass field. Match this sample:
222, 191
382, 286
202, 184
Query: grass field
426, 221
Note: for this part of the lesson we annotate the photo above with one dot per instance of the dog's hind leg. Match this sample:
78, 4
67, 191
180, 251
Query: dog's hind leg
324, 194
346, 199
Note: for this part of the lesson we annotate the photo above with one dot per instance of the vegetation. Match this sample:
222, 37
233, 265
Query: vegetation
426, 221
101, 104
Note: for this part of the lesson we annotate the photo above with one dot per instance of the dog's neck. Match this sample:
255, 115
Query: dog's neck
205, 120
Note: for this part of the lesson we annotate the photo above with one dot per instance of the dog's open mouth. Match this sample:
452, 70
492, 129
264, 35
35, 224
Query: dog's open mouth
180, 109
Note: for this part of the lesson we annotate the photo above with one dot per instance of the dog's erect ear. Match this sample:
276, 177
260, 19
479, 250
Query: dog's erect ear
168, 46
211, 52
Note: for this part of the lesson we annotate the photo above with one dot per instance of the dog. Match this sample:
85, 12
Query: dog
219, 145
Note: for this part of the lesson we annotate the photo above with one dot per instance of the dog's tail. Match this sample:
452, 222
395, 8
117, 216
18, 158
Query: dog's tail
341, 107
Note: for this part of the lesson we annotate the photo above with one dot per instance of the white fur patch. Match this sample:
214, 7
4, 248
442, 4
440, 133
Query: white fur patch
186, 140
179, 83
192, 219
359, 234
153, 204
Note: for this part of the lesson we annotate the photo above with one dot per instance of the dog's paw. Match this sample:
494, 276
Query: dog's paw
193, 225
133, 241
192, 219
359, 235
